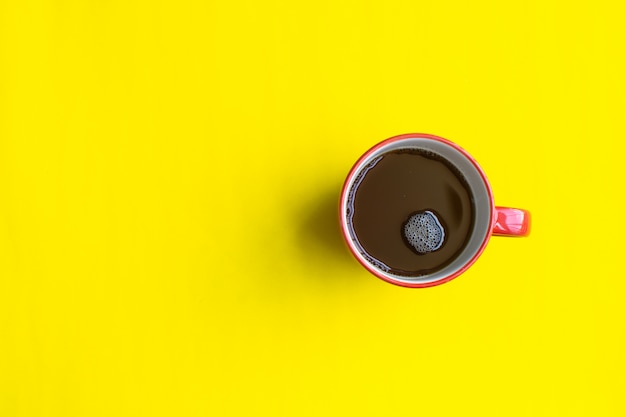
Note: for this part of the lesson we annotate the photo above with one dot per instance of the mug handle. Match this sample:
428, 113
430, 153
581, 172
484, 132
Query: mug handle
511, 222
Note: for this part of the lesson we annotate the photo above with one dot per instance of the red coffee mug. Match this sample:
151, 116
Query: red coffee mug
488, 218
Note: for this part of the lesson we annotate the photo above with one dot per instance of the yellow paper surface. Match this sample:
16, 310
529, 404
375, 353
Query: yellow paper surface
169, 176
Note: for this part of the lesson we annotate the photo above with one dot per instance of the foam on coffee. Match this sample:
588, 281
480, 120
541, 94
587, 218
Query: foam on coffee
424, 232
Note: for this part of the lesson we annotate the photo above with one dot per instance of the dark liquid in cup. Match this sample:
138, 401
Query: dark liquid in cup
410, 211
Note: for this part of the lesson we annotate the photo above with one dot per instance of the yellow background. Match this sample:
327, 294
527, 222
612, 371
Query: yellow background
169, 175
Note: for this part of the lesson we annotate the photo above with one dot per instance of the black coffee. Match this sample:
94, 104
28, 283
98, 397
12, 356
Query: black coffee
410, 211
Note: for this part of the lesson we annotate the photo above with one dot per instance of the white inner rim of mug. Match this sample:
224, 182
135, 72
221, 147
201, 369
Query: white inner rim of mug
480, 199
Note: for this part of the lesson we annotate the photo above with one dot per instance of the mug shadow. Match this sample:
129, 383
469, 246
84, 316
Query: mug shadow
323, 250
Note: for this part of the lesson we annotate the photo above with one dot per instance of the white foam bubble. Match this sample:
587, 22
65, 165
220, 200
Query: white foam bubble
424, 232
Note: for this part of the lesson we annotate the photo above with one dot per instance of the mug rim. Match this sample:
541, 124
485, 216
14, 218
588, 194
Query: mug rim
350, 180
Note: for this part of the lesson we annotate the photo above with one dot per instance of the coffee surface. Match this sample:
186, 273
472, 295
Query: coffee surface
411, 212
